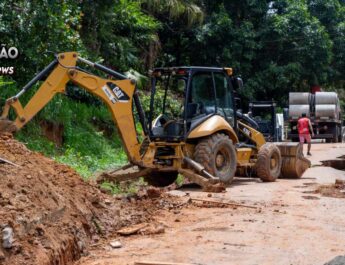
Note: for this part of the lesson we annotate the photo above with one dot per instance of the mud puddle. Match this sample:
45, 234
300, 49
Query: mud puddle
336, 190
338, 163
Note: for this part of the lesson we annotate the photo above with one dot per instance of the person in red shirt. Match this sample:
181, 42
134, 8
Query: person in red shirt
304, 129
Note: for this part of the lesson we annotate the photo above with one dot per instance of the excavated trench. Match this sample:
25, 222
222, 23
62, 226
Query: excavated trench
50, 215
338, 163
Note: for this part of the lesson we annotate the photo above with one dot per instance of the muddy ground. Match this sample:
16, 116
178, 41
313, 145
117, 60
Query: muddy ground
57, 218
292, 224
50, 215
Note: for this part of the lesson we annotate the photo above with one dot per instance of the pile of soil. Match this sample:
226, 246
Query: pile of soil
336, 190
53, 213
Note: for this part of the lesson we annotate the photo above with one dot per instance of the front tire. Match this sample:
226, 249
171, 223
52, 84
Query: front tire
269, 162
218, 156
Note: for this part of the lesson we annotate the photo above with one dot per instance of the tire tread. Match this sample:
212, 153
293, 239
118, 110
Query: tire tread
262, 164
204, 154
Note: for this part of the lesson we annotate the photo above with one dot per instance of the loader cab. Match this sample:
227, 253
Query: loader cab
264, 114
184, 97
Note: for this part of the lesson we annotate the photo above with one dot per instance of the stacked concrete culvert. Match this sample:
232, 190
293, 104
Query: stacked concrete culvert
323, 109
299, 103
296, 98
326, 98
326, 111
296, 111
327, 105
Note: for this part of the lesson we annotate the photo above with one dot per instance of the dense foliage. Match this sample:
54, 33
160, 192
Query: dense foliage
276, 46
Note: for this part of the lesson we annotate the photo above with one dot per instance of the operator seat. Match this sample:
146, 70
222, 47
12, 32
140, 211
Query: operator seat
206, 97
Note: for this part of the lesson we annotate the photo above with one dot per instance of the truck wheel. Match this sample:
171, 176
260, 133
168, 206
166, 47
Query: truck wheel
269, 162
218, 155
161, 179
335, 135
340, 137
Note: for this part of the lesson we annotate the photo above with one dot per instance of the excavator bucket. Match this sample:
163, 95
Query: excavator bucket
293, 161
7, 126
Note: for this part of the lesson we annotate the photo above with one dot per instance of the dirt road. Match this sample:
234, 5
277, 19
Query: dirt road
291, 225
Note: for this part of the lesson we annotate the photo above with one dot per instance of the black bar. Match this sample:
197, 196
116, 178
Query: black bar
39, 76
109, 71
153, 92
141, 112
187, 92
165, 93
247, 119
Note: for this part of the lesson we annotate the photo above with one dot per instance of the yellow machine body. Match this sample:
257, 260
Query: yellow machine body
56, 83
213, 125
110, 91
122, 112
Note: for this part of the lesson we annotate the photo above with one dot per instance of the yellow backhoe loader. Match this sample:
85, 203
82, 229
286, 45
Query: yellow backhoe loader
205, 139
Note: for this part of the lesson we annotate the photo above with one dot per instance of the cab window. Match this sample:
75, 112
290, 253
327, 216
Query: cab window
202, 92
224, 97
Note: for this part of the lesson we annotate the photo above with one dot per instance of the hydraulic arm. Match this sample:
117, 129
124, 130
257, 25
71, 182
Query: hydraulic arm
118, 95
201, 144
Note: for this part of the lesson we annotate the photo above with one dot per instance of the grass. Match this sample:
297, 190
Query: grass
87, 152
179, 181
91, 142
127, 188
90, 139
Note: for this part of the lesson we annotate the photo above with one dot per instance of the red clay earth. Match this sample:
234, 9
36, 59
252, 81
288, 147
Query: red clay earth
54, 214
58, 218
292, 224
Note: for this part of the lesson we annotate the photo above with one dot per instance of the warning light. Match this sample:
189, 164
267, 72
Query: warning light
228, 71
181, 72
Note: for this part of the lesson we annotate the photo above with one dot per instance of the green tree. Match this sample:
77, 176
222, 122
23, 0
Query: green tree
36, 27
188, 11
276, 46
296, 51
177, 19
118, 32
332, 15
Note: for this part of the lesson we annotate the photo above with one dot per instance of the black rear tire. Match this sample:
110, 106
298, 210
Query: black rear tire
161, 179
269, 162
335, 135
218, 155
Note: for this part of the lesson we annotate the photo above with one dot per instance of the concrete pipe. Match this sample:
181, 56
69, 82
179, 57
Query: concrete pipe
326, 111
326, 98
296, 98
295, 111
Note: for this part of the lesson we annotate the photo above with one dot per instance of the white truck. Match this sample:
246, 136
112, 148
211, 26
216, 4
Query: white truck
324, 111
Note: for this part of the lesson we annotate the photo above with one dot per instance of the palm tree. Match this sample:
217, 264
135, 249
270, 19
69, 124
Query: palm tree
175, 15
176, 9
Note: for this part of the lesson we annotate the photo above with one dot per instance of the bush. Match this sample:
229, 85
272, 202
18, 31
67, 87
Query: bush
91, 142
